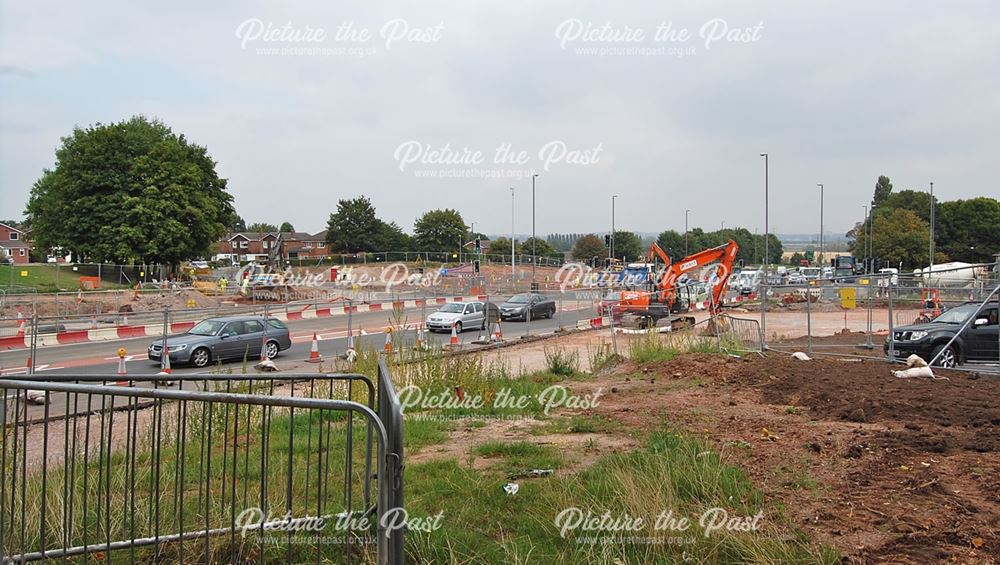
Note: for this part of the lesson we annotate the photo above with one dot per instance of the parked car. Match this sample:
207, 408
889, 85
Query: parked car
977, 342
220, 339
520, 306
463, 315
796, 277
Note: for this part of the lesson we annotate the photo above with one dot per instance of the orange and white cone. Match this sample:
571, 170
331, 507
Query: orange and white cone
135, 294
20, 322
314, 356
165, 367
498, 335
454, 336
388, 341
122, 371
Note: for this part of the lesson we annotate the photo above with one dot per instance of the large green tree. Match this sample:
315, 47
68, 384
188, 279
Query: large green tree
130, 191
883, 188
626, 245
354, 227
588, 247
286, 227
899, 238
539, 247
440, 230
968, 230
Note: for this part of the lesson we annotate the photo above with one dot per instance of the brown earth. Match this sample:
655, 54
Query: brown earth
884, 469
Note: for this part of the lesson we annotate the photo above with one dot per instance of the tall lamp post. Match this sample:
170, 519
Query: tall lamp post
686, 212
864, 231
932, 230
767, 259
512, 277
534, 255
820, 185
611, 240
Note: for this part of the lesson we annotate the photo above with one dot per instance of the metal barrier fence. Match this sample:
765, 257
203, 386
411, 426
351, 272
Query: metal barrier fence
224, 469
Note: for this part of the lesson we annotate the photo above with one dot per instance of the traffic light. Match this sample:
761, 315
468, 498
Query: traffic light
475, 265
607, 240
479, 245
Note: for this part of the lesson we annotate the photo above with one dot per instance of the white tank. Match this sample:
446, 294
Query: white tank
954, 274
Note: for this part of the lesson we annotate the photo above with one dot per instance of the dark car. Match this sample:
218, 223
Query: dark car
977, 342
519, 306
219, 339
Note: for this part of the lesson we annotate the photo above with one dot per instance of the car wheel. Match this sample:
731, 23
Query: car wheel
947, 356
458, 327
271, 349
200, 357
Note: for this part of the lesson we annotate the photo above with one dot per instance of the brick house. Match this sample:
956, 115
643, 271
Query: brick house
256, 246
13, 245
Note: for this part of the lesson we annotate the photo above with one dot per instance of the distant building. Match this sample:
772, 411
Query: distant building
13, 245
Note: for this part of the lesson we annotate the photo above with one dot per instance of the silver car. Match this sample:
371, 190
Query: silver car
462, 315
218, 339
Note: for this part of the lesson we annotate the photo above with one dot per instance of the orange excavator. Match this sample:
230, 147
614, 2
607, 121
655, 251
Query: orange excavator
662, 300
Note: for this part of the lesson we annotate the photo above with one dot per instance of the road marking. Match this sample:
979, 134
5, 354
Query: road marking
24, 370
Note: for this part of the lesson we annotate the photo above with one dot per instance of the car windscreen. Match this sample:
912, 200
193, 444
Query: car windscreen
276, 324
206, 327
454, 308
519, 299
956, 315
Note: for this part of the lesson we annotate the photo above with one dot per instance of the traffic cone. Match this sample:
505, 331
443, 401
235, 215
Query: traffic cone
20, 322
454, 336
93, 322
135, 293
165, 367
122, 371
314, 356
165, 364
388, 341
79, 296
498, 335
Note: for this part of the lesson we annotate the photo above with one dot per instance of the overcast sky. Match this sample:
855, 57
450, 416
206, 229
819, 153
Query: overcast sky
666, 104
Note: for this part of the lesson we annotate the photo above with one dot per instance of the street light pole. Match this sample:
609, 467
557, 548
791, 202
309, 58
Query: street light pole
512, 276
767, 259
534, 255
686, 212
932, 229
864, 232
820, 221
611, 240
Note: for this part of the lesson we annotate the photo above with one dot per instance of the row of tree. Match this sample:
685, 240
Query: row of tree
897, 231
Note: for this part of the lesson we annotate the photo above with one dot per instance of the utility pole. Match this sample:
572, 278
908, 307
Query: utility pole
611, 248
534, 255
932, 231
864, 232
686, 212
767, 259
512, 279
821, 221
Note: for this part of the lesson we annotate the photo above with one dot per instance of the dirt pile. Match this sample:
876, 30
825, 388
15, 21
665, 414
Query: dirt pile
884, 469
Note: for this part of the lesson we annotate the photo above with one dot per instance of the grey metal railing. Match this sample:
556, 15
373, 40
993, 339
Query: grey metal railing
227, 468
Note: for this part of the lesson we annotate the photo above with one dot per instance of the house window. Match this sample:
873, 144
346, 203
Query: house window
244, 244
21, 252
233, 244
13, 236
265, 244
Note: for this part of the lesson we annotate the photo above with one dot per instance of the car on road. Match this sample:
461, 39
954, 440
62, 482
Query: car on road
796, 277
976, 342
527, 304
463, 315
221, 339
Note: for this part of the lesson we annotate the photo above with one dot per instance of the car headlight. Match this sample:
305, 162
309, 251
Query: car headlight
918, 335
180, 347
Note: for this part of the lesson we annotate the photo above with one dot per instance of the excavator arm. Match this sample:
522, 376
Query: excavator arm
660, 303
724, 255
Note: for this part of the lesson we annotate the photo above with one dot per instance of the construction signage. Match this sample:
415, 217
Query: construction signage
847, 299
